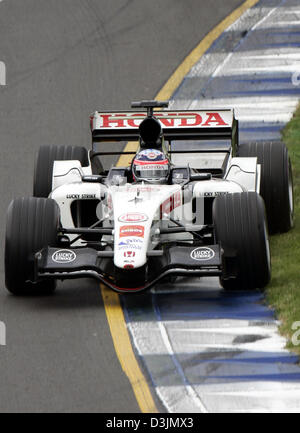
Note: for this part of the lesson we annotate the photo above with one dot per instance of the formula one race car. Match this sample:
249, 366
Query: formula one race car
190, 202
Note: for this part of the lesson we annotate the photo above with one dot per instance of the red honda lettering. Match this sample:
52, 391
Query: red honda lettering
92, 122
108, 121
214, 118
165, 121
131, 122
195, 121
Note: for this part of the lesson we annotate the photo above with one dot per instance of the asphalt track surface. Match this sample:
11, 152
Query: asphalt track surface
64, 59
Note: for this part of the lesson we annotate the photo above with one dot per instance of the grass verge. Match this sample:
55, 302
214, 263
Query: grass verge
283, 293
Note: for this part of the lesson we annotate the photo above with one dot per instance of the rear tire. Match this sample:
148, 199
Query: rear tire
241, 230
42, 183
276, 185
32, 223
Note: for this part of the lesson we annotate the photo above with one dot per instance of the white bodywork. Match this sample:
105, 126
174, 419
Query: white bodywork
139, 211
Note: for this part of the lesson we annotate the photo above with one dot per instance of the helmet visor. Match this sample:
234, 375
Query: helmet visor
151, 171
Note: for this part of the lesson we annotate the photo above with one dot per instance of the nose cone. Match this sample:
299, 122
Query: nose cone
131, 242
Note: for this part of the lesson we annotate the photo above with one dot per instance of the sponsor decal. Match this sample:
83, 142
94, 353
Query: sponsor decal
147, 163
139, 189
129, 253
167, 120
152, 155
63, 256
171, 203
132, 244
109, 201
215, 194
73, 196
151, 165
129, 256
88, 196
202, 253
137, 231
131, 247
149, 153
133, 217
82, 196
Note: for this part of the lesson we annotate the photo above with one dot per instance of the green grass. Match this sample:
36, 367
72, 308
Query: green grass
283, 293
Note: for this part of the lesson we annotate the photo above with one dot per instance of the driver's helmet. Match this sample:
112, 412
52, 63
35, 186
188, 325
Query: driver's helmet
151, 165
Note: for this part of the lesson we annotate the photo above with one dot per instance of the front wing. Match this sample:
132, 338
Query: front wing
87, 262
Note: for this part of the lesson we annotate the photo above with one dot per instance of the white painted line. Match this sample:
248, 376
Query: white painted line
260, 23
253, 330
176, 400
286, 23
190, 390
2, 74
284, 118
2, 334
259, 393
221, 66
265, 69
294, 11
249, 102
243, 347
276, 56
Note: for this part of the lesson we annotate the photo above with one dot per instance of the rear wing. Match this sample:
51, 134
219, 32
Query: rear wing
176, 125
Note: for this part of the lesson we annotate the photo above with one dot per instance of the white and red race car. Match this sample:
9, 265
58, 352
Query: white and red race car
192, 202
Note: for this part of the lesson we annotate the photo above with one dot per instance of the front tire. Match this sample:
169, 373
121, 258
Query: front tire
32, 224
241, 230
